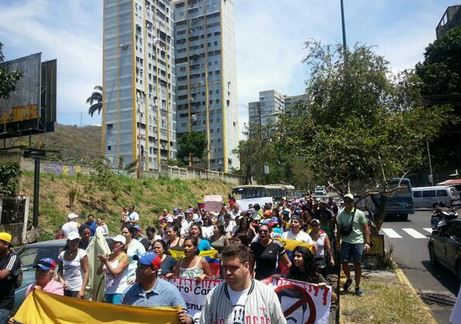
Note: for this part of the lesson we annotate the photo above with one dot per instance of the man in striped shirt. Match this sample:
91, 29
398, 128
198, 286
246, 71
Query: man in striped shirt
240, 299
10, 266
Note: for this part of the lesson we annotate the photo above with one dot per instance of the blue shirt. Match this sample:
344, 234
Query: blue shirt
162, 294
204, 245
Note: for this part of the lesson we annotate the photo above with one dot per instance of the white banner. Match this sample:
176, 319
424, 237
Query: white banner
301, 302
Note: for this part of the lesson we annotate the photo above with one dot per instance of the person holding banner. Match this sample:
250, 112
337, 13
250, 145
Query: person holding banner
240, 299
192, 266
266, 253
115, 268
151, 291
44, 278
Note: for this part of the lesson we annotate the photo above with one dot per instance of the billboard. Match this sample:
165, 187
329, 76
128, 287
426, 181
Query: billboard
31, 108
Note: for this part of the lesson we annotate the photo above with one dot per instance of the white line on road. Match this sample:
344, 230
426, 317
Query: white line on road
391, 233
414, 233
428, 229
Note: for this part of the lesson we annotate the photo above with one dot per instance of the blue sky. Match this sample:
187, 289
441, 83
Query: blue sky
269, 34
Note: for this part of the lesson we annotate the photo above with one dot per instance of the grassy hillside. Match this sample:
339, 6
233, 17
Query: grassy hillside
105, 196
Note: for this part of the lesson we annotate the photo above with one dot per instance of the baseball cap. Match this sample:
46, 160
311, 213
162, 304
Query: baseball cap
149, 258
349, 196
46, 264
119, 238
73, 236
315, 221
5, 237
72, 216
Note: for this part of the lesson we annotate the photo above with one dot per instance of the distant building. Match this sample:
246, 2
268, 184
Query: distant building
265, 111
206, 77
139, 119
292, 101
450, 19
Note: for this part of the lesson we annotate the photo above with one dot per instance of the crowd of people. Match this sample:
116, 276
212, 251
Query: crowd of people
247, 240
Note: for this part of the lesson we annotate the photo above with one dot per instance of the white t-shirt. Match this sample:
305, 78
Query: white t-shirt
134, 248
301, 236
69, 227
102, 229
207, 231
72, 270
133, 216
238, 299
115, 284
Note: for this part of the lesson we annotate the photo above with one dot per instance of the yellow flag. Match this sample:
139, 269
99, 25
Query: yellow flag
291, 244
180, 254
44, 308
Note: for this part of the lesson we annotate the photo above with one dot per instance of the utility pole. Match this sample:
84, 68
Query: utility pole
343, 24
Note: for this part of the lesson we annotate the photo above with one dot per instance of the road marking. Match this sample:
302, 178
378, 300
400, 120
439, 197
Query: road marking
391, 233
428, 229
414, 233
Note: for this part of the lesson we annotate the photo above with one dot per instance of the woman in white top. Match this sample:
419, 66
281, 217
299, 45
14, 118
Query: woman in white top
73, 268
324, 252
115, 268
133, 247
101, 226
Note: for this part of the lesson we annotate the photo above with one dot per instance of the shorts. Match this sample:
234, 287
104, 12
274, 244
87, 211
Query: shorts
115, 299
351, 252
70, 293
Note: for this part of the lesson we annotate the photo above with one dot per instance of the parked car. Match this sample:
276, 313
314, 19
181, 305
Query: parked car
29, 255
320, 190
445, 246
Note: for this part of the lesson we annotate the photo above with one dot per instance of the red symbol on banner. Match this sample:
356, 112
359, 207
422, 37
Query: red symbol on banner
304, 299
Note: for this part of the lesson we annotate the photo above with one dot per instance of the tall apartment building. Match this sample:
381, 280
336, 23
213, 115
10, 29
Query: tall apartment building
139, 109
450, 19
265, 111
206, 77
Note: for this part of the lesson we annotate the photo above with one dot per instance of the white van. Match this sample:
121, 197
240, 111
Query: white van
426, 197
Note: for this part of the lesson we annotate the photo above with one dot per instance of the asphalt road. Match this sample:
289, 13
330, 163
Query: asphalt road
408, 240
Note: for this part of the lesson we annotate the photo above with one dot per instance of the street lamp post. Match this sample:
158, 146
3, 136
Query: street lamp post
343, 24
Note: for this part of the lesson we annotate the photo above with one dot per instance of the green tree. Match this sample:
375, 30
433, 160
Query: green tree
191, 145
8, 79
9, 177
441, 76
95, 101
360, 124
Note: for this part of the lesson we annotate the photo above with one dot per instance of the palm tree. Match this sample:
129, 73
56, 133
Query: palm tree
95, 101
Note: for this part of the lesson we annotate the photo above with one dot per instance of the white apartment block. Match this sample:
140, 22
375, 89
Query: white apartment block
139, 108
265, 111
206, 80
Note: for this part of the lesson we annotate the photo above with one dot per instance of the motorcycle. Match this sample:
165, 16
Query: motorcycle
442, 214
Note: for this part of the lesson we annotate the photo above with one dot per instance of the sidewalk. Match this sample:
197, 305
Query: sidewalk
388, 298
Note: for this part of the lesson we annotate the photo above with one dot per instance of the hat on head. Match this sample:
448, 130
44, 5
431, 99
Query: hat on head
46, 264
72, 216
73, 236
149, 258
119, 238
349, 196
6, 237
315, 221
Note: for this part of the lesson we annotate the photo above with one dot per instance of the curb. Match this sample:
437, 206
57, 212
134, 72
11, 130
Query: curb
404, 280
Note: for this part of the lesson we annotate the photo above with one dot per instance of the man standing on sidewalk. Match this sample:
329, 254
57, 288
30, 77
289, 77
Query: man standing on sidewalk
355, 238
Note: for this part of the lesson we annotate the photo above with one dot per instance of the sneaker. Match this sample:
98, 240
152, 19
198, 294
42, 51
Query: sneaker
358, 292
347, 284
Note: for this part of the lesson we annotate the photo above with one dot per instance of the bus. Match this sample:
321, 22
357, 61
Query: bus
261, 194
400, 203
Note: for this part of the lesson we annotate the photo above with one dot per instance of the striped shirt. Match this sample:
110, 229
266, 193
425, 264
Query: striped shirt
12, 263
262, 306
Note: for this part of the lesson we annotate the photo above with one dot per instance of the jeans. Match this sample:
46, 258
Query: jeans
4, 315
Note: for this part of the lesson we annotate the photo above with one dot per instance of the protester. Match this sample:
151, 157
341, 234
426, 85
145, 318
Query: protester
175, 242
133, 217
148, 241
133, 247
352, 242
70, 226
101, 226
240, 299
168, 262
192, 266
326, 218
124, 216
85, 236
73, 270
10, 269
324, 256
296, 233
219, 239
196, 231
115, 268
45, 278
91, 223
243, 228
266, 254
151, 291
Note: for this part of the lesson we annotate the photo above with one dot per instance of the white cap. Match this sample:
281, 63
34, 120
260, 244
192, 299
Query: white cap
72, 236
72, 216
195, 216
119, 238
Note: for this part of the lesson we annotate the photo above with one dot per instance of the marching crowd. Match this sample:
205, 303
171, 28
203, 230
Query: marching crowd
248, 243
